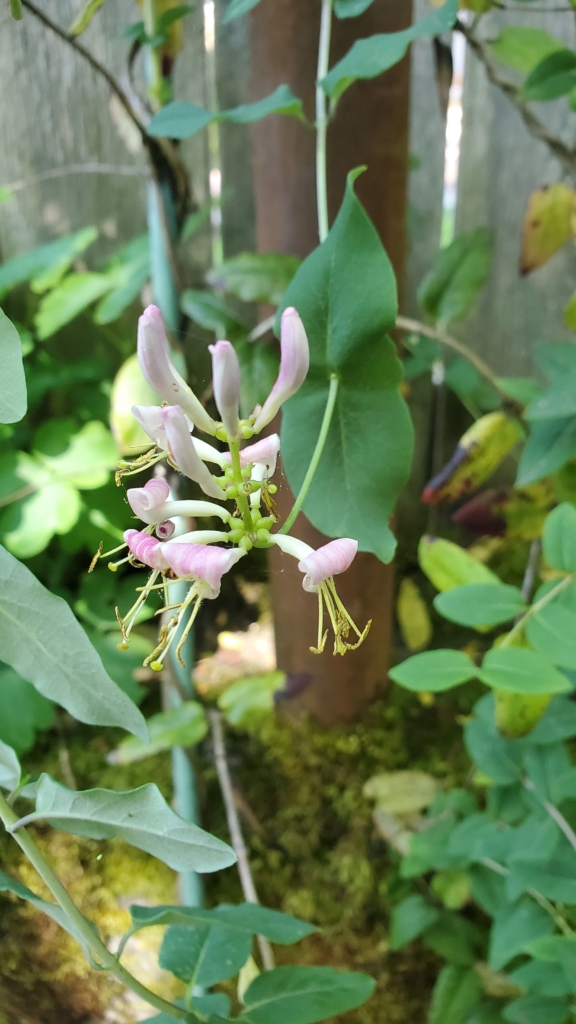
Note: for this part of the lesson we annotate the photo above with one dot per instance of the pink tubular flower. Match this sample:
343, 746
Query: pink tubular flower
294, 365
146, 549
327, 561
154, 359
143, 500
206, 564
184, 454
165, 530
226, 381
150, 419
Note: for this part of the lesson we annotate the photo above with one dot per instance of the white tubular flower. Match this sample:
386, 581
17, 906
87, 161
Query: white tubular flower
294, 366
226, 382
162, 375
319, 568
208, 453
183, 453
150, 419
141, 505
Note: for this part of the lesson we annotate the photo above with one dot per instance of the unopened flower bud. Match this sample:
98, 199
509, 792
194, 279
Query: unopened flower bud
226, 381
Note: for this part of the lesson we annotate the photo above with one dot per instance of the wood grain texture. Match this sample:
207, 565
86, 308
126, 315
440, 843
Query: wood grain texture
371, 127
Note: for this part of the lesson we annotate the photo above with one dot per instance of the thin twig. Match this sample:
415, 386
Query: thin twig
437, 334
565, 155
531, 567
554, 813
247, 882
122, 170
546, 905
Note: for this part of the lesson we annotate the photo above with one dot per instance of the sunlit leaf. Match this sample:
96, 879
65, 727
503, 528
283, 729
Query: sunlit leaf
547, 224
448, 565
84, 17
45, 266
183, 726
434, 671
13, 387
67, 300
130, 388
523, 47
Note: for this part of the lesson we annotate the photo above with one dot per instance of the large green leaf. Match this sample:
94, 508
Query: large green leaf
181, 120
455, 995
183, 726
409, 919
68, 300
345, 292
370, 57
456, 277
255, 276
304, 995
523, 47
45, 644
517, 670
246, 917
550, 445
554, 76
10, 770
434, 671
514, 928
45, 266
559, 538
22, 711
141, 817
206, 955
480, 604
13, 387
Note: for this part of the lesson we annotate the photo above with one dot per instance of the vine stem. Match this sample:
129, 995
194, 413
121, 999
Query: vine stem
241, 499
554, 813
83, 927
534, 609
235, 829
560, 922
322, 119
317, 454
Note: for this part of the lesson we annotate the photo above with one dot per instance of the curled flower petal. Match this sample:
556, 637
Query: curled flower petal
226, 381
327, 561
155, 363
146, 549
150, 419
207, 564
263, 453
144, 500
183, 452
294, 365
165, 530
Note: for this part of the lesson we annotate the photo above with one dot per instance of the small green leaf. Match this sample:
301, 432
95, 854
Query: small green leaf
523, 47
371, 57
13, 389
213, 313
281, 101
403, 793
553, 77
304, 995
542, 979
434, 671
141, 817
183, 726
559, 538
236, 8
455, 995
537, 1010
410, 919
249, 699
206, 955
521, 389
452, 886
10, 770
84, 17
517, 670
514, 929
180, 120
67, 300
456, 278
45, 644
255, 277
455, 938
46, 265
246, 917
480, 604
350, 8
551, 444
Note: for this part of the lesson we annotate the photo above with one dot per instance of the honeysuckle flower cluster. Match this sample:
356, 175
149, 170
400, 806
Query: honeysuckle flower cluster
241, 475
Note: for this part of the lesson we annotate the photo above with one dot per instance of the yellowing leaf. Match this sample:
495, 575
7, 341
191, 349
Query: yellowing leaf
547, 225
570, 313
413, 617
84, 17
477, 456
448, 565
518, 713
401, 793
452, 887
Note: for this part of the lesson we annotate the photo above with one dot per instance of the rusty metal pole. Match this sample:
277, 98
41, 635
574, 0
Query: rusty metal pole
370, 127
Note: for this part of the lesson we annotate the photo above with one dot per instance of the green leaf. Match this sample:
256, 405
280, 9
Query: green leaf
13, 390
552, 632
434, 671
480, 604
140, 817
553, 77
8, 884
255, 277
550, 445
514, 928
206, 955
181, 120
558, 400
213, 313
474, 391
281, 101
542, 979
553, 878
345, 292
46, 265
246, 917
523, 47
88, 460
537, 1010
44, 643
410, 919
65, 302
259, 365
455, 995
518, 670
121, 665
127, 278
448, 565
521, 389
456, 277
249, 699
169, 17
403, 793
495, 756
455, 939
350, 8
214, 1003
10, 770
236, 8
304, 995
183, 726
53, 509
559, 538
452, 887
558, 722
23, 711
130, 388
555, 949
84, 17
370, 57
